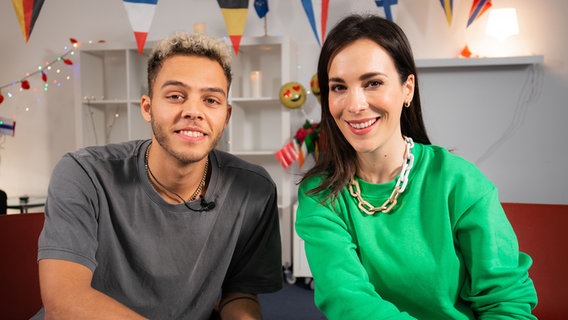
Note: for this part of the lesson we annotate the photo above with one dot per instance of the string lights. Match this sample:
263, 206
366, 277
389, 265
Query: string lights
23, 84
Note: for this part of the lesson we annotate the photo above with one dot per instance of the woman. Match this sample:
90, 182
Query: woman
394, 227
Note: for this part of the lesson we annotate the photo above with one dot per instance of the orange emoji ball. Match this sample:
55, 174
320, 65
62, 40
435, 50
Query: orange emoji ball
314, 85
292, 95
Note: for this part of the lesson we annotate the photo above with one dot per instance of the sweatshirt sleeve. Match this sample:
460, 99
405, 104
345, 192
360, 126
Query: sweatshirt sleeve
342, 286
498, 284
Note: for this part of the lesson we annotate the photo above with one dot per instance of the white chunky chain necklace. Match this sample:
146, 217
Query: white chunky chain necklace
399, 187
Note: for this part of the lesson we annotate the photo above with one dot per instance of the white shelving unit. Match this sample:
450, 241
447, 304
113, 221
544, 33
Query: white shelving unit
301, 268
259, 124
112, 77
110, 82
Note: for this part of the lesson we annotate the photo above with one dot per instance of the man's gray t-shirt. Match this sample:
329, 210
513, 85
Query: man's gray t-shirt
164, 261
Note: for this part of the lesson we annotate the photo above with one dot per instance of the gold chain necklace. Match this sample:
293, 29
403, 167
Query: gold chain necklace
193, 196
399, 187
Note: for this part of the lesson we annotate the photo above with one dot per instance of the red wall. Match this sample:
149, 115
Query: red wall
542, 230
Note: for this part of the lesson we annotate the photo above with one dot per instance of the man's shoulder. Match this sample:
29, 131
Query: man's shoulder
114, 151
232, 163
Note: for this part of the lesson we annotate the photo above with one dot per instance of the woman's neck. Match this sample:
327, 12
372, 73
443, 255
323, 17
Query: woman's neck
382, 165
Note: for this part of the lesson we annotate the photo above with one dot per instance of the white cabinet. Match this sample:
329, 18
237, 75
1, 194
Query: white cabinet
112, 78
110, 81
259, 124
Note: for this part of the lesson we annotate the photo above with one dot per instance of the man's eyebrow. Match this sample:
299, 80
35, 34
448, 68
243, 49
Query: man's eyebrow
185, 86
174, 83
214, 89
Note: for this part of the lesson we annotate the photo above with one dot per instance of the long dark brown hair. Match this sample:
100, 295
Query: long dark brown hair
337, 162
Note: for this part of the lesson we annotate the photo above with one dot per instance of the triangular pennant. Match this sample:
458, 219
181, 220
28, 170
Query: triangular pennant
324, 10
140, 13
27, 12
140, 40
386, 5
478, 7
235, 14
448, 6
310, 13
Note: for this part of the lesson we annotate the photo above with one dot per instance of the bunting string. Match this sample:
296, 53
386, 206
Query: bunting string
24, 82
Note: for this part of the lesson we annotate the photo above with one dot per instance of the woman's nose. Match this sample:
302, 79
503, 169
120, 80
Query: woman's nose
357, 102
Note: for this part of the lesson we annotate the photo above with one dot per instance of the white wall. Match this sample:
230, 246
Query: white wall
515, 132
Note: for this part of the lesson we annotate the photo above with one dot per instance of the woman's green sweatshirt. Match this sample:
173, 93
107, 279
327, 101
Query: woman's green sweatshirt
445, 251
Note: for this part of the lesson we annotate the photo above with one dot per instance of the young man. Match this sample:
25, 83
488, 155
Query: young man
167, 228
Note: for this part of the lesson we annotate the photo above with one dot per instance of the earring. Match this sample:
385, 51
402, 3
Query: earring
407, 104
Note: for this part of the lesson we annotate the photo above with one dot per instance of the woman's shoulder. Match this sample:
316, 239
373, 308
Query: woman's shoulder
437, 161
446, 159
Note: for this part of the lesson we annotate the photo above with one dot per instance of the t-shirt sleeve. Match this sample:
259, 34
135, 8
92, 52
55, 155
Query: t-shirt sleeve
70, 228
498, 284
256, 266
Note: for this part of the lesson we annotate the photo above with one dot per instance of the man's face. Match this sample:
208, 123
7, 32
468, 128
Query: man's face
189, 109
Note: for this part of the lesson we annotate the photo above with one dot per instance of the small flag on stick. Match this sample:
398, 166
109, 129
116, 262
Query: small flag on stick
261, 7
386, 4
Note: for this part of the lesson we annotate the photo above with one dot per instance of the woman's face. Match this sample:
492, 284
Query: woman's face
366, 96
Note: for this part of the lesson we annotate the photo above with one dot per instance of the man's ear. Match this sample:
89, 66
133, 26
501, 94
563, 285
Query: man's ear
229, 112
145, 108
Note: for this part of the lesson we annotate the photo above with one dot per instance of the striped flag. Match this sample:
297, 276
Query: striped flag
448, 6
140, 13
235, 15
27, 12
478, 7
288, 154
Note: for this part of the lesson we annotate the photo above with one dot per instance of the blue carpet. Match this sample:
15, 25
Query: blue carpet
293, 302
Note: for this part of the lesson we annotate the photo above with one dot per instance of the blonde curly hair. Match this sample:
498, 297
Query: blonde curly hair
192, 44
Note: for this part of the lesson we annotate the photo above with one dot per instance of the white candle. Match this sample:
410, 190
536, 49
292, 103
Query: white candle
256, 84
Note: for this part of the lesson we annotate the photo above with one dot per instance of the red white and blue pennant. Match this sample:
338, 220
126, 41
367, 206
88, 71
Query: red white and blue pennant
140, 13
309, 9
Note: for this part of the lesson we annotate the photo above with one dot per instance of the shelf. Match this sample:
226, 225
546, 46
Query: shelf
109, 102
254, 101
478, 62
266, 153
255, 105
